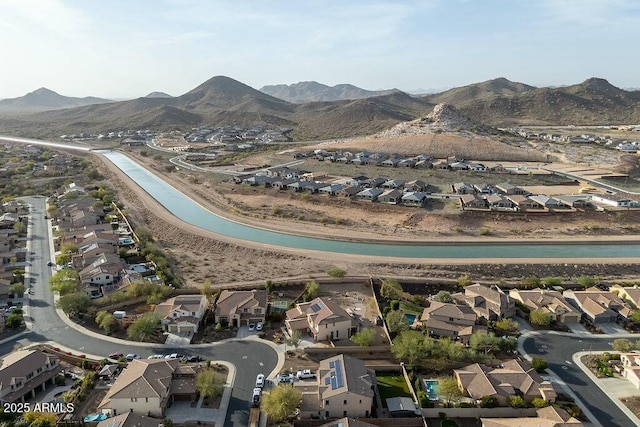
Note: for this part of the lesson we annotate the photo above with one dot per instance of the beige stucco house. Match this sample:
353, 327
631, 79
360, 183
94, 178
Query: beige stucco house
514, 377
323, 318
629, 294
546, 417
182, 314
239, 308
130, 419
489, 302
548, 301
449, 320
344, 388
597, 305
147, 386
25, 372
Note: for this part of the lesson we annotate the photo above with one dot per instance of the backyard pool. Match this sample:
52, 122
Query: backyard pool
432, 389
410, 318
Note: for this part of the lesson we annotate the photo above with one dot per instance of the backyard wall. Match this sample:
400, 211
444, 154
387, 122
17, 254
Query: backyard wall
479, 412
381, 422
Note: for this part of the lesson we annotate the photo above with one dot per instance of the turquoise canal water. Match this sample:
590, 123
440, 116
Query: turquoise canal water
193, 213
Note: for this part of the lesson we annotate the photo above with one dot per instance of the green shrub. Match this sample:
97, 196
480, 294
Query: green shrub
395, 304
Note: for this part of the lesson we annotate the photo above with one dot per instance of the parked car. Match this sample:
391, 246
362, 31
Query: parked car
156, 356
305, 374
260, 381
193, 359
285, 378
255, 400
259, 326
252, 327
131, 356
171, 356
116, 356
49, 264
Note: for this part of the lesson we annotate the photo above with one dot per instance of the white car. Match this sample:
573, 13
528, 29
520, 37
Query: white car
156, 356
259, 326
305, 374
131, 356
260, 381
252, 327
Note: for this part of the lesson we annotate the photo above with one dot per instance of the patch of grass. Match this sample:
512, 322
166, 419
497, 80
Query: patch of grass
449, 423
391, 384
409, 307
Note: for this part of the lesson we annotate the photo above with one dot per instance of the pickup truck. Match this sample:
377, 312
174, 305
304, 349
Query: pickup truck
305, 374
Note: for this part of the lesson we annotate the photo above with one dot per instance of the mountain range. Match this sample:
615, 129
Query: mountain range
300, 93
224, 101
46, 99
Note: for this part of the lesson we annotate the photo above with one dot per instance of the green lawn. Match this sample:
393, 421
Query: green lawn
391, 384
449, 423
409, 307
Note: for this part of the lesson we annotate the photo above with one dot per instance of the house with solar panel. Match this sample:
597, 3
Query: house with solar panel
346, 388
322, 318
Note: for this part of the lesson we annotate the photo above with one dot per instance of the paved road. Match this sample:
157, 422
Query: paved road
250, 357
558, 350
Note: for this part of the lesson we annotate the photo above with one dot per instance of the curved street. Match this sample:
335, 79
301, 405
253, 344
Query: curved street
558, 350
250, 357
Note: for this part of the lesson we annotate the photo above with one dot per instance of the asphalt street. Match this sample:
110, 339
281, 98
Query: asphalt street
558, 351
250, 357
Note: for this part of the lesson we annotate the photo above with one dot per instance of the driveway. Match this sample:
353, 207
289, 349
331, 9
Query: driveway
183, 412
611, 328
578, 329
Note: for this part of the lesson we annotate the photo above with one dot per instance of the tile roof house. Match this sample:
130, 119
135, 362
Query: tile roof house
597, 305
414, 198
631, 367
148, 386
345, 388
508, 189
129, 419
514, 377
347, 422
392, 197
449, 320
471, 201
182, 314
24, 372
239, 308
550, 302
547, 417
463, 188
369, 194
629, 294
323, 318
489, 302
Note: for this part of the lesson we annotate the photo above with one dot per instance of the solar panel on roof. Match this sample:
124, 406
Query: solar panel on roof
316, 307
327, 381
339, 373
332, 364
334, 384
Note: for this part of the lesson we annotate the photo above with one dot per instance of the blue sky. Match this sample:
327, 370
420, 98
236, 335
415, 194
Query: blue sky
128, 48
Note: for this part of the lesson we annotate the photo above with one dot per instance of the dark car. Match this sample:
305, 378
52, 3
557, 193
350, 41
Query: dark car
116, 356
194, 359
49, 264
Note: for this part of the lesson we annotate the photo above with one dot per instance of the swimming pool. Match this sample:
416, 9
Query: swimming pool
410, 318
432, 388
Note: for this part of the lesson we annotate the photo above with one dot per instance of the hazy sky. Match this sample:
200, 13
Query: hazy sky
128, 48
